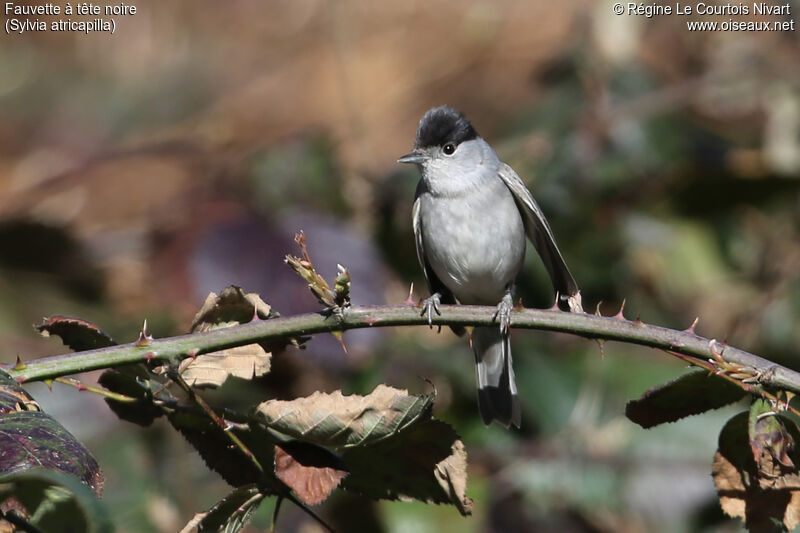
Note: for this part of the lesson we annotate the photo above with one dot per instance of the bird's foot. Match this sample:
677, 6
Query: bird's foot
503, 313
430, 305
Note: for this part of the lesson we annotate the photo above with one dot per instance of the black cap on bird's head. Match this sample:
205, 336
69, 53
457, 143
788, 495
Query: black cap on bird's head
439, 127
442, 125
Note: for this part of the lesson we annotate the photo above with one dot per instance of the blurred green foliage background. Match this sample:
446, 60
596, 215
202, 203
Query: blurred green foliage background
141, 170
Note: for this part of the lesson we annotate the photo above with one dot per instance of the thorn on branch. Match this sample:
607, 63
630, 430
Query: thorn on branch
619, 315
600, 344
190, 358
144, 339
410, 299
555, 307
339, 335
690, 329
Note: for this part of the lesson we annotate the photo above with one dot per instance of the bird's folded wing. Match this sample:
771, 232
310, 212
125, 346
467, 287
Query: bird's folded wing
540, 234
435, 285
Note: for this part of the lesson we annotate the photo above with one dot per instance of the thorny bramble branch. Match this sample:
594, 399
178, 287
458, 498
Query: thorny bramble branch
751, 372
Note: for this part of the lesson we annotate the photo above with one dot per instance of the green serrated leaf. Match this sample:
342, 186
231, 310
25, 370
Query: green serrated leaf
32, 439
136, 382
76, 333
426, 462
13, 397
55, 502
216, 448
335, 420
692, 393
387, 439
233, 512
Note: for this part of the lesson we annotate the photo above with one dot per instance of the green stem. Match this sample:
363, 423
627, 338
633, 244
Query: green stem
117, 397
200, 402
619, 329
275, 514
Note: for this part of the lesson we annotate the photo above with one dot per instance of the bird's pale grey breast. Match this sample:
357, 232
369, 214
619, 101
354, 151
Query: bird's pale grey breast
474, 242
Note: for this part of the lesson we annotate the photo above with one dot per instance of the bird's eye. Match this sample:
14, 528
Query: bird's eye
449, 148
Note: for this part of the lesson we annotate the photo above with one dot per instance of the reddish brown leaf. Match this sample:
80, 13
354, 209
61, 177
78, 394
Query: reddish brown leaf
312, 472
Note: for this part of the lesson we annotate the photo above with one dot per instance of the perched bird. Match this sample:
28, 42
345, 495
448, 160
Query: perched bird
471, 215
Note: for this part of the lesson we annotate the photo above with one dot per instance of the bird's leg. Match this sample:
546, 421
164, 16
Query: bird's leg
503, 313
431, 305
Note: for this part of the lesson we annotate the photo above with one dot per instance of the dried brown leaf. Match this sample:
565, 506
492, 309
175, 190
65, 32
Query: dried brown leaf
333, 419
451, 473
231, 307
211, 370
763, 493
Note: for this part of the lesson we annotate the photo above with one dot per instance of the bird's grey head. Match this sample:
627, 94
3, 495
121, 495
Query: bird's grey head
450, 153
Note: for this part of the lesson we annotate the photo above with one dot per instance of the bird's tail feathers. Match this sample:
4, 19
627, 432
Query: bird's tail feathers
497, 390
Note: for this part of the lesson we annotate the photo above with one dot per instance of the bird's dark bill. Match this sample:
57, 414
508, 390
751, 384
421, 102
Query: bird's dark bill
413, 157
